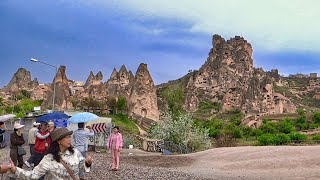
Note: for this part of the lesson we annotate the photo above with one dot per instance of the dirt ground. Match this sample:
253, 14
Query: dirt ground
249, 162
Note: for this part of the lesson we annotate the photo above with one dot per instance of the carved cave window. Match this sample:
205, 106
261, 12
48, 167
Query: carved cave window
144, 112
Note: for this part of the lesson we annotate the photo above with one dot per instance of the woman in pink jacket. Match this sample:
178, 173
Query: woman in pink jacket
114, 146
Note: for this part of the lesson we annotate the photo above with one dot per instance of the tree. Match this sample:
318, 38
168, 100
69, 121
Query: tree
112, 103
122, 104
181, 130
175, 98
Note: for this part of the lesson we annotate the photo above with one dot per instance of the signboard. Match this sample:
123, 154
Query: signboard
99, 127
37, 108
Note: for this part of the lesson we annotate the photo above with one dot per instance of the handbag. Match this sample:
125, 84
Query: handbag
21, 151
68, 169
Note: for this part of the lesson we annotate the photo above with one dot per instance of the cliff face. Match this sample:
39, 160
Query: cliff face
62, 91
143, 98
21, 80
228, 78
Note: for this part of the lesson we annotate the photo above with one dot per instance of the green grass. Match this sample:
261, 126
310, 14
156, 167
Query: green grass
125, 124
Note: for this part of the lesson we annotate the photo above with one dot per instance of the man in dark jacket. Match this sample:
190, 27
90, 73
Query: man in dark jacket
16, 139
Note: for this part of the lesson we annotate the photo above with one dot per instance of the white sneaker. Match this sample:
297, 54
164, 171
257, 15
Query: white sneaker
27, 164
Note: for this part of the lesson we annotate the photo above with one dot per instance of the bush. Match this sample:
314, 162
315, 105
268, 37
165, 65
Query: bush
256, 132
181, 130
316, 117
266, 139
131, 140
286, 126
232, 131
273, 139
280, 139
214, 126
298, 137
316, 137
269, 128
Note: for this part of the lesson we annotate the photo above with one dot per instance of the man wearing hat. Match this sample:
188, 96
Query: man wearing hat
32, 141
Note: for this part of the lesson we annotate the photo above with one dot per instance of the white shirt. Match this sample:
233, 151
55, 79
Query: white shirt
54, 170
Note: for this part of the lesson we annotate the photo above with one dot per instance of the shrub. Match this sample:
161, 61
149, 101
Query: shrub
232, 130
273, 139
181, 130
298, 137
280, 139
256, 132
270, 128
286, 126
316, 117
266, 139
316, 137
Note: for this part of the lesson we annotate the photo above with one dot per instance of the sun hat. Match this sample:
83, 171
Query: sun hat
18, 126
60, 133
36, 124
51, 123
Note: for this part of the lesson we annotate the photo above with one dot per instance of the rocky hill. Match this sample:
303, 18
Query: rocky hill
227, 81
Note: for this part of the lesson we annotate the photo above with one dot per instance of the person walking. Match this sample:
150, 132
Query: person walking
115, 144
80, 138
31, 141
62, 162
16, 141
2, 139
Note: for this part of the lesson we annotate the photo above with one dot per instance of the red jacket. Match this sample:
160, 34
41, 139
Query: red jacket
40, 146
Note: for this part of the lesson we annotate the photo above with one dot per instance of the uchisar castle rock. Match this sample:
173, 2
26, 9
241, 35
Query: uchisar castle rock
227, 79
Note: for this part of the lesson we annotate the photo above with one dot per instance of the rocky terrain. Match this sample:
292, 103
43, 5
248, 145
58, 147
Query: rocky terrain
226, 81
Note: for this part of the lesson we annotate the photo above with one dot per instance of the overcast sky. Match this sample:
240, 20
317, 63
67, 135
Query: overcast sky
172, 37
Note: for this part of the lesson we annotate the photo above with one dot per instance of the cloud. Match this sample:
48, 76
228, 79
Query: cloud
272, 25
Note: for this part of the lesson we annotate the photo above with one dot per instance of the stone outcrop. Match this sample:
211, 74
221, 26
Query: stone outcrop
94, 80
228, 78
120, 83
143, 98
62, 91
21, 80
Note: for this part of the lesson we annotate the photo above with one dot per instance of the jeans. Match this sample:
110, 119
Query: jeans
81, 171
31, 159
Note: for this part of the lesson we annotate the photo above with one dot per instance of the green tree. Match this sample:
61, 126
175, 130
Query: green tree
122, 104
175, 98
112, 103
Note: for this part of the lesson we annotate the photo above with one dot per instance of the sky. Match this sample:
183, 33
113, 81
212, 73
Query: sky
172, 37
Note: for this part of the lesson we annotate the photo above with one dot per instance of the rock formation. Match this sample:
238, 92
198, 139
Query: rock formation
21, 80
143, 98
62, 91
94, 80
120, 83
228, 77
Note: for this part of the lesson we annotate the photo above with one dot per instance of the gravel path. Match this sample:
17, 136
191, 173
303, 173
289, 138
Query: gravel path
268, 162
